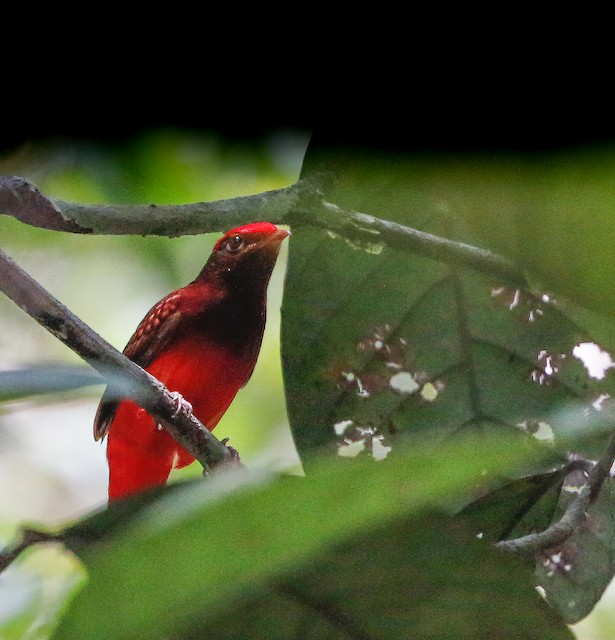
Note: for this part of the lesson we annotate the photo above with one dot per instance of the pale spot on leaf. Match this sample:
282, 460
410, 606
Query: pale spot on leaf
550, 367
375, 248
515, 300
540, 430
393, 365
544, 432
403, 382
362, 392
429, 392
350, 449
597, 403
572, 488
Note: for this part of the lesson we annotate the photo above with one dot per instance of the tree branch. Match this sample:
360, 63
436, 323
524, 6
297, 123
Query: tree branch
364, 228
22, 200
131, 380
301, 204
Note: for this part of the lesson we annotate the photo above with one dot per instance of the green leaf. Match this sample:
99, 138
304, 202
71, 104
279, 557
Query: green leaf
209, 548
33, 593
551, 212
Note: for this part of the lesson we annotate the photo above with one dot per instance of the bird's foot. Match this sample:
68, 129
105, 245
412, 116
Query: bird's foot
181, 404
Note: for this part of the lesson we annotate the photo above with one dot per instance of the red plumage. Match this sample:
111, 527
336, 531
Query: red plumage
201, 341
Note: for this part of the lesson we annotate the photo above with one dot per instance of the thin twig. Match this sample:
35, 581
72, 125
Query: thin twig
28, 538
575, 513
133, 381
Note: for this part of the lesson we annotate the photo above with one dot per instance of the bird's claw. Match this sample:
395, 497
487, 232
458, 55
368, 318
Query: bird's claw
234, 453
181, 404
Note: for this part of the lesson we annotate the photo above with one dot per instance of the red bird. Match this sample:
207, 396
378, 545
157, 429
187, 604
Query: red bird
202, 342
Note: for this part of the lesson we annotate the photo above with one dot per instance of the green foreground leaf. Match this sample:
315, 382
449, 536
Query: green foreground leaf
516, 509
214, 552
417, 577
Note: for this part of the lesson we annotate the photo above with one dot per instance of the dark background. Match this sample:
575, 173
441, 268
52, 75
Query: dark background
507, 118
508, 83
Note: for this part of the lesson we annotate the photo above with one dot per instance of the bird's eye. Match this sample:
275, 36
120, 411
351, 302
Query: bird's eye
234, 243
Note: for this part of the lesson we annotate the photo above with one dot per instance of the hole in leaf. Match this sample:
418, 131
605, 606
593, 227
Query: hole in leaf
596, 361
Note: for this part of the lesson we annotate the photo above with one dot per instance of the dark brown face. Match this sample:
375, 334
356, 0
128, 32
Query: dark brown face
240, 267
244, 257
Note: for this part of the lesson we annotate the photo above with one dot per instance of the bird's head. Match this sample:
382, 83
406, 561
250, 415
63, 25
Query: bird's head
246, 254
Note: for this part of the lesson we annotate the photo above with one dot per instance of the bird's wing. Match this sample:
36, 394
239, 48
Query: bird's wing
155, 331
152, 335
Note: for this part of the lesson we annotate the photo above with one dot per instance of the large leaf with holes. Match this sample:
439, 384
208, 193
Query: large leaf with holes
381, 345
378, 342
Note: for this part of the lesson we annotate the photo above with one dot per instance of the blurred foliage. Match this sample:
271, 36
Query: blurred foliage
259, 549
551, 211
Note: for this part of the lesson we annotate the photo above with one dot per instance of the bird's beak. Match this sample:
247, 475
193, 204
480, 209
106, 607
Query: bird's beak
271, 242
277, 236
282, 233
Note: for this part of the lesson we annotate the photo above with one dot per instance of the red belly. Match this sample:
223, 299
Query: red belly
207, 376
140, 453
